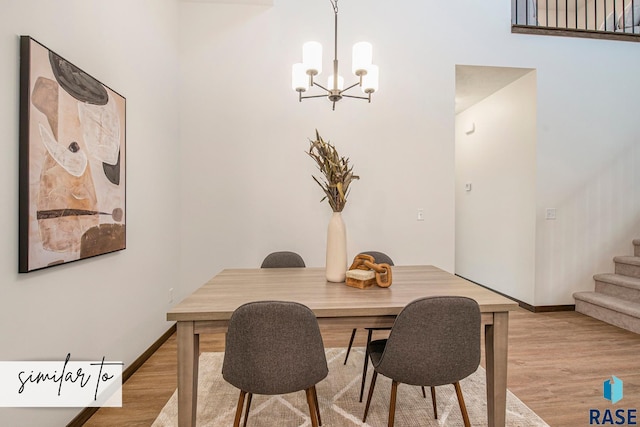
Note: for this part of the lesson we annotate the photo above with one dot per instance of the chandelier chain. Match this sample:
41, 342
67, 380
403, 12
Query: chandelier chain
334, 3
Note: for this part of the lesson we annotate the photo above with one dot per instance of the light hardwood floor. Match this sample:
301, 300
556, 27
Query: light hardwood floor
557, 364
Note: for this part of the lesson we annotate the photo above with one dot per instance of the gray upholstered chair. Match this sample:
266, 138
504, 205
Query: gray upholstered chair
274, 347
282, 259
380, 258
434, 341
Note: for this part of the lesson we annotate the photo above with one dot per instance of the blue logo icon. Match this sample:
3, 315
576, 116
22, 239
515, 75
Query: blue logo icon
612, 389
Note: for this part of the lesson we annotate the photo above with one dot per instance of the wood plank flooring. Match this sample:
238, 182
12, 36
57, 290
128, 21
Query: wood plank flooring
557, 364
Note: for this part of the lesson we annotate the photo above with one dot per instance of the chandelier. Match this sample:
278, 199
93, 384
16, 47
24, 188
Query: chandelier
303, 73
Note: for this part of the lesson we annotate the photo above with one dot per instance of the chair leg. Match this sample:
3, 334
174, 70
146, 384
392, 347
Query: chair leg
236, 421
315, 399
366, 364
312, 409
246, 411
424, 393
371, 387
392, 403
463, 408
433, 400
353, 335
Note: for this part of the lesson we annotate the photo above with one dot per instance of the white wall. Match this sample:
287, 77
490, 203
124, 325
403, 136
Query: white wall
247, 186
495, 221
246, 181
587, 169
113, 305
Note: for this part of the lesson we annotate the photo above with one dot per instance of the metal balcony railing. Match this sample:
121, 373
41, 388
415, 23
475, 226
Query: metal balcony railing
618, 19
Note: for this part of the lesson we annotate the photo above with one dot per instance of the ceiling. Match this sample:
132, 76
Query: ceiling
475, 83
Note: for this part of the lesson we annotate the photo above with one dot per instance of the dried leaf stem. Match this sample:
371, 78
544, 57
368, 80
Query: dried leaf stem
336, 170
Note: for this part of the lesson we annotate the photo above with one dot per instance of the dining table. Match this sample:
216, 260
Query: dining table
337, 307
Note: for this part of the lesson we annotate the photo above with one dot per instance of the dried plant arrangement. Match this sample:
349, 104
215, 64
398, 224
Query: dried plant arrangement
336, 170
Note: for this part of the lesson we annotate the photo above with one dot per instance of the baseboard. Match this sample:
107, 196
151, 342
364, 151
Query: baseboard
550, 308
528, 307
86, 413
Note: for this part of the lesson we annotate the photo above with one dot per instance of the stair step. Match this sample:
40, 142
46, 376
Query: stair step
627, 266
619, 312
619, 286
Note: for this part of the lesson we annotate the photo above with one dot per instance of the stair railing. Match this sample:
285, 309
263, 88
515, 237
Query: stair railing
619, 17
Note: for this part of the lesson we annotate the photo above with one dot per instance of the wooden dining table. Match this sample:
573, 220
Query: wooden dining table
336, 306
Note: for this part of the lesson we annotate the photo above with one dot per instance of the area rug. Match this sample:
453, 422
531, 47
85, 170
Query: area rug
338, 396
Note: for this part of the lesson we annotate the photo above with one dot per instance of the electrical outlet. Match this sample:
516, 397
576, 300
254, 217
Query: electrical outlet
420, 216
551, 213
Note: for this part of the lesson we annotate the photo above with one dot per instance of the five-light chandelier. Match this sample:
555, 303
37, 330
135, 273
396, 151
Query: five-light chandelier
303, 73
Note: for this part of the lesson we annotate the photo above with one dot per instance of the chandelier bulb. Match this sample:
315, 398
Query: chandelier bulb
362, 57
331, 84
312, 58
370, 80
299, 78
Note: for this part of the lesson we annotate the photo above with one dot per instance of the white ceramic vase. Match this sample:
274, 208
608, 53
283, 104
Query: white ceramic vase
336, 266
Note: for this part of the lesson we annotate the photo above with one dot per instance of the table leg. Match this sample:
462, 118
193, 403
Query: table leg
496, 345
188, 353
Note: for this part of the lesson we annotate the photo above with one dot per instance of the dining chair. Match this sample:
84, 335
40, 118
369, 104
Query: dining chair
379, 257
434, 341
273, 348
282, 259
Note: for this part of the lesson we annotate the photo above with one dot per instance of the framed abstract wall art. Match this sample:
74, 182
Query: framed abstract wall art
72, 162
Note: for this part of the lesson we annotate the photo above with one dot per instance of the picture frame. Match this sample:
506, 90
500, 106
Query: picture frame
72, 173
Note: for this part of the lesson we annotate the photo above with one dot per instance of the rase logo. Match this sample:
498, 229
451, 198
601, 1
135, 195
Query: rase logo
612, 390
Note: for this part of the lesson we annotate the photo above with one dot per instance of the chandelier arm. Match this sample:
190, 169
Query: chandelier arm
321, 87
354, 96
314, 96
352, 86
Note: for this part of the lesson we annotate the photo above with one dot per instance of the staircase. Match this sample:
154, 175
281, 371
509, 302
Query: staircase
616, 299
